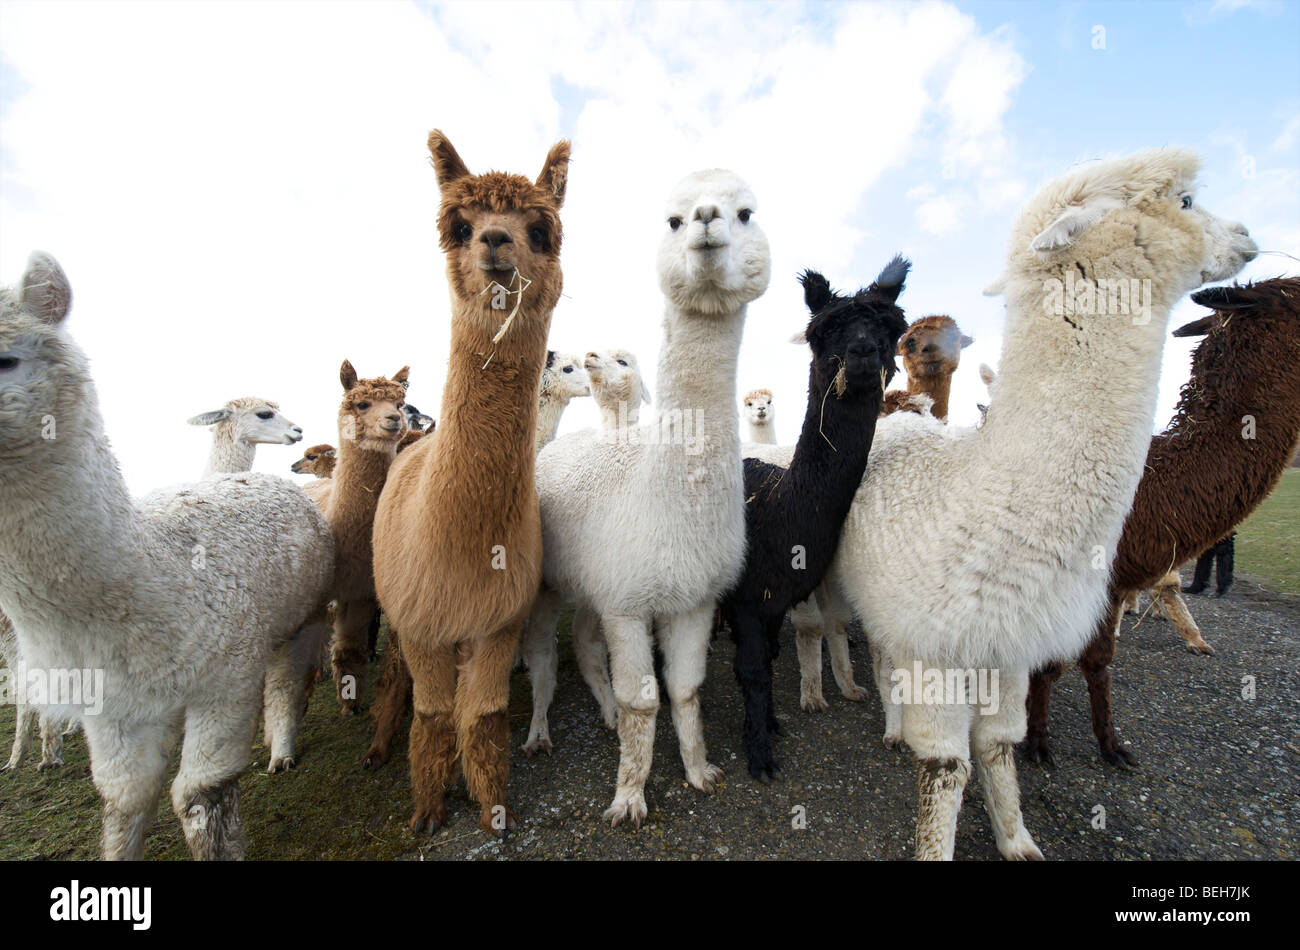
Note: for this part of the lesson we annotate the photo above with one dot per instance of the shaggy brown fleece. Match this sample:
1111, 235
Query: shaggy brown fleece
319, 460
457, 535
931, 349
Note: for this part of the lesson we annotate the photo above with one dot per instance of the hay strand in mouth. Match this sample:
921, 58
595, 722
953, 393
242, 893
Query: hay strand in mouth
524, 284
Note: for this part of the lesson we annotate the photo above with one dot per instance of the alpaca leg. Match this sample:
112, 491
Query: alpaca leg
1131, 602
51, 745
392, 699
685, 645
205, 795
593, 662
939, 735
289, 671
1225, 555
808, 624
1175, 608
129, 765
753, 668
433, 733
1201, 575
540, 651
882, 669
637, 692
837, 644
483, 725
999, 723
1095, 664
349, 653
372, 637
24, 730
1037, 736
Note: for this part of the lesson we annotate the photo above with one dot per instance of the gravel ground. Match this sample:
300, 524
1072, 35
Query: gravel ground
1217, 778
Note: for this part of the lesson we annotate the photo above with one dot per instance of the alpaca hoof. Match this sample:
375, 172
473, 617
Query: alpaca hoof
280, 763
894, 741
49, 765
537, 744
1021, 848
1119, 755
632, 808
611, 720
706, 780
375, 757
430, 820
1201, 648
855, 694
813, 702
348, 711
498, 821
765, 771
1037, 750
9, 766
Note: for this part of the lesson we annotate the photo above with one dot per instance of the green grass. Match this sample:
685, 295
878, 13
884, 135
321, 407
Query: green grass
1267, 543
327, 808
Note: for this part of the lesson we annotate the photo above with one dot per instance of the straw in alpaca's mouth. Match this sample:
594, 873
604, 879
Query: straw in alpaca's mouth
496, 287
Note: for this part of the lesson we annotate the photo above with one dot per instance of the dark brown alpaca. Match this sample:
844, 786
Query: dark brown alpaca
458, 548
1228, 444
318, 460
931, 349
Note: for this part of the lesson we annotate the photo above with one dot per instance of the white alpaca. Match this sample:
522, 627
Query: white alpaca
618, 390
239, 427
648, 523
1020, 519
563, 380
761, 417
179, 601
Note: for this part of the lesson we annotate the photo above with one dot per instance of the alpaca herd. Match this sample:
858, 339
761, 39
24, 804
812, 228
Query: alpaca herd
1010, 548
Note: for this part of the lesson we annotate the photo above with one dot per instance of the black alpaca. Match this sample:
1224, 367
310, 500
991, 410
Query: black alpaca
1222, 553
793, 517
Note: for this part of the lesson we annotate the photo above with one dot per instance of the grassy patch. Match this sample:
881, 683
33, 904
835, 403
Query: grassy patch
1266, 541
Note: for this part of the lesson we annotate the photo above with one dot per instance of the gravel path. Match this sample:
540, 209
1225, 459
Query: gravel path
1217, 778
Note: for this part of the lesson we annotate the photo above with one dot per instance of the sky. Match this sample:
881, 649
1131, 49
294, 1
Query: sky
241, 195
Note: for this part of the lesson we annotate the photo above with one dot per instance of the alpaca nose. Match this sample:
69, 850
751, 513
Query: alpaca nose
704, 213
297, 430
495, 237
394, 417
930, 347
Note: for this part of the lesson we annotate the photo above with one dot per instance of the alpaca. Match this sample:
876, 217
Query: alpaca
618, 390
239, 427
417, 421
798, 510
761, 416
987, 375
1220, 555
1017, 518
931, 349
648, 523
1226, 448
182, 599
319, 460
458, 540
563, 380
27, 717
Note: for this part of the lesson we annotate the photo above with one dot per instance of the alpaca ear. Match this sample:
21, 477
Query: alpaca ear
645, 393
446, 163
401, 377
966, 341
1225, 298
45, 289
986, 374
997, 288
347, 376
211, 418
330, 453
555, 173
800, 337
816, 294
550, 358
1198, 327
1072, 222
889, 283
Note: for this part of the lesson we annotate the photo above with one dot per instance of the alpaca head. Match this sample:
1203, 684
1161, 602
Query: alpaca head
714, 257
1125, 220
417, 420
932, 347
493, 225
758, 407
251, 420
317, 460
371, 412
564, 377
853, 338
45, 385
616, 378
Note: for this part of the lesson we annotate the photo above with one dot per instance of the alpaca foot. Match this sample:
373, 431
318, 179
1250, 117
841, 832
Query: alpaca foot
1037, 749
630, 806
1020, 848
49, 764
375, 756
854, 693
763, 767
611, 718
705, 779
430, 819
541, 742
497, 820
1118, 754
349, 708
894, 741
280, 763
812, 702
1200, 647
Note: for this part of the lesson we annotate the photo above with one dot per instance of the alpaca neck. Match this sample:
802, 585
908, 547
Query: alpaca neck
697, 376
617, 411
936, 387
763, 433
229, 454
549, 410
831, 454
362, 470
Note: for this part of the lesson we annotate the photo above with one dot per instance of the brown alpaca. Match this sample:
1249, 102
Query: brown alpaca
931, 349
371, 424
1167, 601
1231, 439
457, 537
318, 460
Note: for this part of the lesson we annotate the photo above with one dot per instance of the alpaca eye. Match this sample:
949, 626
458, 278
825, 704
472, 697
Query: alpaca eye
265, 414
1187, 202
674, 222
622, 362
7, 363
463, 232
568, 369
537, 236
744, 215
363, 406
401, 405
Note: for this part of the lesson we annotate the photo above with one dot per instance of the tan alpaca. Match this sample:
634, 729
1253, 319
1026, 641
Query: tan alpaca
457, 538
318, 460
931, 349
